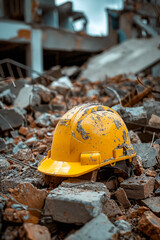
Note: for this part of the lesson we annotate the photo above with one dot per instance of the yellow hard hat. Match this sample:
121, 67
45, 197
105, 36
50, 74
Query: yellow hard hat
87, 138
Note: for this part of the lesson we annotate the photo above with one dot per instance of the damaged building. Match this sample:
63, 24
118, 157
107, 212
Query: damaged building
79, 120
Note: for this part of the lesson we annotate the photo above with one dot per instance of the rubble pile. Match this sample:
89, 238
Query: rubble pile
116, 206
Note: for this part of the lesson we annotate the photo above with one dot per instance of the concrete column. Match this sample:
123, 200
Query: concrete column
34, 52
28, 11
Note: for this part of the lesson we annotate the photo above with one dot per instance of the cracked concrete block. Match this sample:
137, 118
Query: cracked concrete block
99, 228
154, 204
147, 153
138, 187
73, 205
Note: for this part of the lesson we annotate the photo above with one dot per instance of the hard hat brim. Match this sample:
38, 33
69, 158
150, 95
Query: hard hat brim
64, 169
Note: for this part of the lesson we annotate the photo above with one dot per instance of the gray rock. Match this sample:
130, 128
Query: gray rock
123, 226
72, 205
7, 97
2, 145
27, 97
4, 164
10, 118
45, 120
133, 115
62, 85
147, 153
99, 228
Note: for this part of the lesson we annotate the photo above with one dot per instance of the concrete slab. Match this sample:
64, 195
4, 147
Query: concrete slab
100, 228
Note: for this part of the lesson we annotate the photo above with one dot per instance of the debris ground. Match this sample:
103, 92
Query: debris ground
115, 205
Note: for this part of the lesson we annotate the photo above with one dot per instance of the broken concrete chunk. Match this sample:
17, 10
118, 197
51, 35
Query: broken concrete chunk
15, 90
111, 208
138, 187
45, 120
27, 97
4, 164
154, 121
2, 145
132, 115
72, 205
149, 224
147, 153
100, 228
30, 231
123, 226
122, 198
152, 107
154, 204
7, 97
43, 92
110, 184
10, 118
71, 71
62, 85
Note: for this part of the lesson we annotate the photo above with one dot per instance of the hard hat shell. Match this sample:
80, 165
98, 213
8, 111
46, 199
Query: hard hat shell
86, 138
